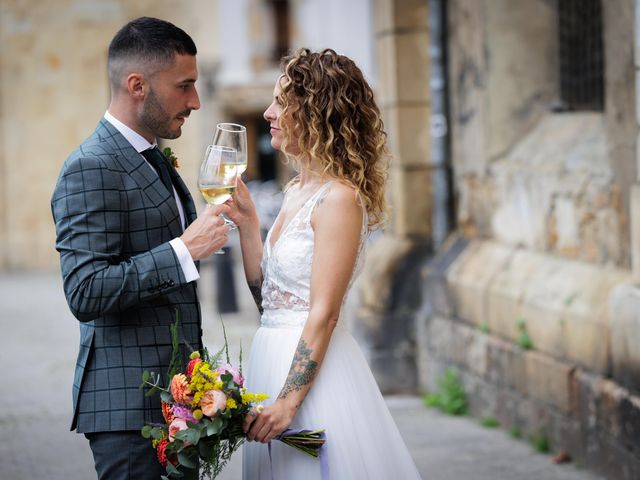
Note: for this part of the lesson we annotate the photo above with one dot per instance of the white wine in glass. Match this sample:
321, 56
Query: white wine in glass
234, 136
218, 177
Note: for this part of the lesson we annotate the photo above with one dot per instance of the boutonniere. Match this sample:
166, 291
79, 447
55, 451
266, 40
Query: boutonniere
173, 160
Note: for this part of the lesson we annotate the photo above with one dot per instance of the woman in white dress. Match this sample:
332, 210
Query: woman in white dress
323, 117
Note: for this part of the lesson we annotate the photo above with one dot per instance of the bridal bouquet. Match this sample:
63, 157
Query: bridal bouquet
204, 407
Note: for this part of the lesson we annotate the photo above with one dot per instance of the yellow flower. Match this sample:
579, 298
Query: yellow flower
253, 397
197, 414
155, 442
231, 403
195, 354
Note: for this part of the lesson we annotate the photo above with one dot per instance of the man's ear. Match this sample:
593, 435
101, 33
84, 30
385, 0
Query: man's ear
136, 85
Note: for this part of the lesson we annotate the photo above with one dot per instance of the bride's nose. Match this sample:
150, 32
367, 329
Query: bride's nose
269, 114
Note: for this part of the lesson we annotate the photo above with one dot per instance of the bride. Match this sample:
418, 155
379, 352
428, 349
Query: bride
323, 116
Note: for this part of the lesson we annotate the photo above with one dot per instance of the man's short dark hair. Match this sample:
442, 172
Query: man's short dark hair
148, 42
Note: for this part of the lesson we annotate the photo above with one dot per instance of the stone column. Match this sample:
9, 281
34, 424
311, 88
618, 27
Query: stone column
390, 282
634, 209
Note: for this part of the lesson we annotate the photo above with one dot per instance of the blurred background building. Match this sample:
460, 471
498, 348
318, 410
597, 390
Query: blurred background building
513, 250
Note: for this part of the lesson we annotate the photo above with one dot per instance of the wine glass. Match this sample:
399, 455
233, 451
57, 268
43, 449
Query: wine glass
218, 177
234, 136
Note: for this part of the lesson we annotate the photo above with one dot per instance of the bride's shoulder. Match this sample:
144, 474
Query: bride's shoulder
339, 200
341, 194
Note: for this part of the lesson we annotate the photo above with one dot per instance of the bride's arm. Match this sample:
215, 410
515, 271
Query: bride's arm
243, 212
337, 223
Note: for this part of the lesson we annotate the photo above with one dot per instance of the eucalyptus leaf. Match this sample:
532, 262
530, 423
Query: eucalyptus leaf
173, 471
186, 460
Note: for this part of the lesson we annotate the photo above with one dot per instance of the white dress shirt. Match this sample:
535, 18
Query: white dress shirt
141, 144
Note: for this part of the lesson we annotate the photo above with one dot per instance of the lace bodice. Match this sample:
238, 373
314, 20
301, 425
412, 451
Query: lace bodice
286, 267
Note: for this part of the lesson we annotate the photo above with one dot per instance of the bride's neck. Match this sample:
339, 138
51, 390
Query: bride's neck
309, 176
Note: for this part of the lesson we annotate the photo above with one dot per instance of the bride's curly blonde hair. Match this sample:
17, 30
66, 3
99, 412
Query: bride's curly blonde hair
337, 123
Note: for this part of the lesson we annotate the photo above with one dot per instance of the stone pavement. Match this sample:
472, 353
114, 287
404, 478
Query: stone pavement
39, 347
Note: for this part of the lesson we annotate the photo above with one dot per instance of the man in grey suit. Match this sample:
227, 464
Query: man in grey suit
129, 242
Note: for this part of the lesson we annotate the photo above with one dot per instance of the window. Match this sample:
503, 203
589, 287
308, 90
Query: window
581, 54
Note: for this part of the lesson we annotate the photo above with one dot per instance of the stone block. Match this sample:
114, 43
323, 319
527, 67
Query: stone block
506, 291
561, 303
390, 15
409, 132
439, 340
412, 203
624, 307
506, 365
471, 276
634, 208
548, 380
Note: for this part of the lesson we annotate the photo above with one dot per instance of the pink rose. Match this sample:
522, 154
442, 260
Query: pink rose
176, 425
212, 402
233, 371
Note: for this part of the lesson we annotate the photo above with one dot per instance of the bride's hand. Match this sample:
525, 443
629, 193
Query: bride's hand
241, 208
269, 423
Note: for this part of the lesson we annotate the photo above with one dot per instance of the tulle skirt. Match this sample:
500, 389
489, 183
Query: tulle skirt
363, 441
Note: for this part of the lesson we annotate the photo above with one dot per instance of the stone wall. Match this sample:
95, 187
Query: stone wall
478, 298
543, 244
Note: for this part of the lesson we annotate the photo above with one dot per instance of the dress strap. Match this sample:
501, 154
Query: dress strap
315, 198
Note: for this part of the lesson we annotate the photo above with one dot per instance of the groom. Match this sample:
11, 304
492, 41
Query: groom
129, 242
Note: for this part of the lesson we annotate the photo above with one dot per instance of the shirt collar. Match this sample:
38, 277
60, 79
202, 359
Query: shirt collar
136, 140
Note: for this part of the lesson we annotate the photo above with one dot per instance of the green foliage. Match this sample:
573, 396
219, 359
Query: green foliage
490, 422
524, 340
450, 397
515, 431
484, 328
541, 442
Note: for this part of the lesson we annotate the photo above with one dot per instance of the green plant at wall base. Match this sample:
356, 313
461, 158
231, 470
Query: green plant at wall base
484, 328
515, 431
541, 443
490, 422
524, 340
450, 397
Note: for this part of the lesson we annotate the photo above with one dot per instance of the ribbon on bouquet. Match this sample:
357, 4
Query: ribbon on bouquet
323, 453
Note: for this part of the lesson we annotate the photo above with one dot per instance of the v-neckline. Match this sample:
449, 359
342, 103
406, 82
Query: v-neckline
285, 228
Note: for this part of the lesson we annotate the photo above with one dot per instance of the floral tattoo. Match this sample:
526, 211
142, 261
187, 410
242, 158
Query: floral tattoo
255, 287
303, 370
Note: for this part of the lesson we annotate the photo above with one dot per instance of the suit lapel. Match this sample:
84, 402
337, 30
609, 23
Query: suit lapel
149, 182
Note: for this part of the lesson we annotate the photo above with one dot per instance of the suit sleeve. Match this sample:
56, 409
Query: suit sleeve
90, 213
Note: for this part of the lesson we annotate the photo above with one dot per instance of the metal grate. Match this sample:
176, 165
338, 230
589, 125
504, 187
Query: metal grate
581, 54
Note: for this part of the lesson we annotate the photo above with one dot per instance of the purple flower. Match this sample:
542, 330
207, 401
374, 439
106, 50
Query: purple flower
184, 413
237, 377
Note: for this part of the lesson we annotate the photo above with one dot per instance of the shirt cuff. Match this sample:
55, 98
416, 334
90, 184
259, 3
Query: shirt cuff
186, 262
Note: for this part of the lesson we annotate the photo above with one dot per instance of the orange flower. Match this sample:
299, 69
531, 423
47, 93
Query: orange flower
162, 456
167, 413
180, 389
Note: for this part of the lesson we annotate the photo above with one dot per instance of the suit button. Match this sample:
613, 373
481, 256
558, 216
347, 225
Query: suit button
171, 283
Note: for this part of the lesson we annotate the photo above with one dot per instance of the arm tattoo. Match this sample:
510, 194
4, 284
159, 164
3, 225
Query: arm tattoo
303, 370
255, 287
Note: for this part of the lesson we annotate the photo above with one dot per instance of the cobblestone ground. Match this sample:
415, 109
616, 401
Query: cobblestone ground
38, 353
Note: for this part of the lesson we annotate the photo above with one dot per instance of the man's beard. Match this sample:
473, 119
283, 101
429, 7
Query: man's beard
157, 120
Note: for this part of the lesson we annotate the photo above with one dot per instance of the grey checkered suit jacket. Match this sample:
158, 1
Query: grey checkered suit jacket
122, 280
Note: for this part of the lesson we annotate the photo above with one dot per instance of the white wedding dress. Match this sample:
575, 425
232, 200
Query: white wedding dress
363, 441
